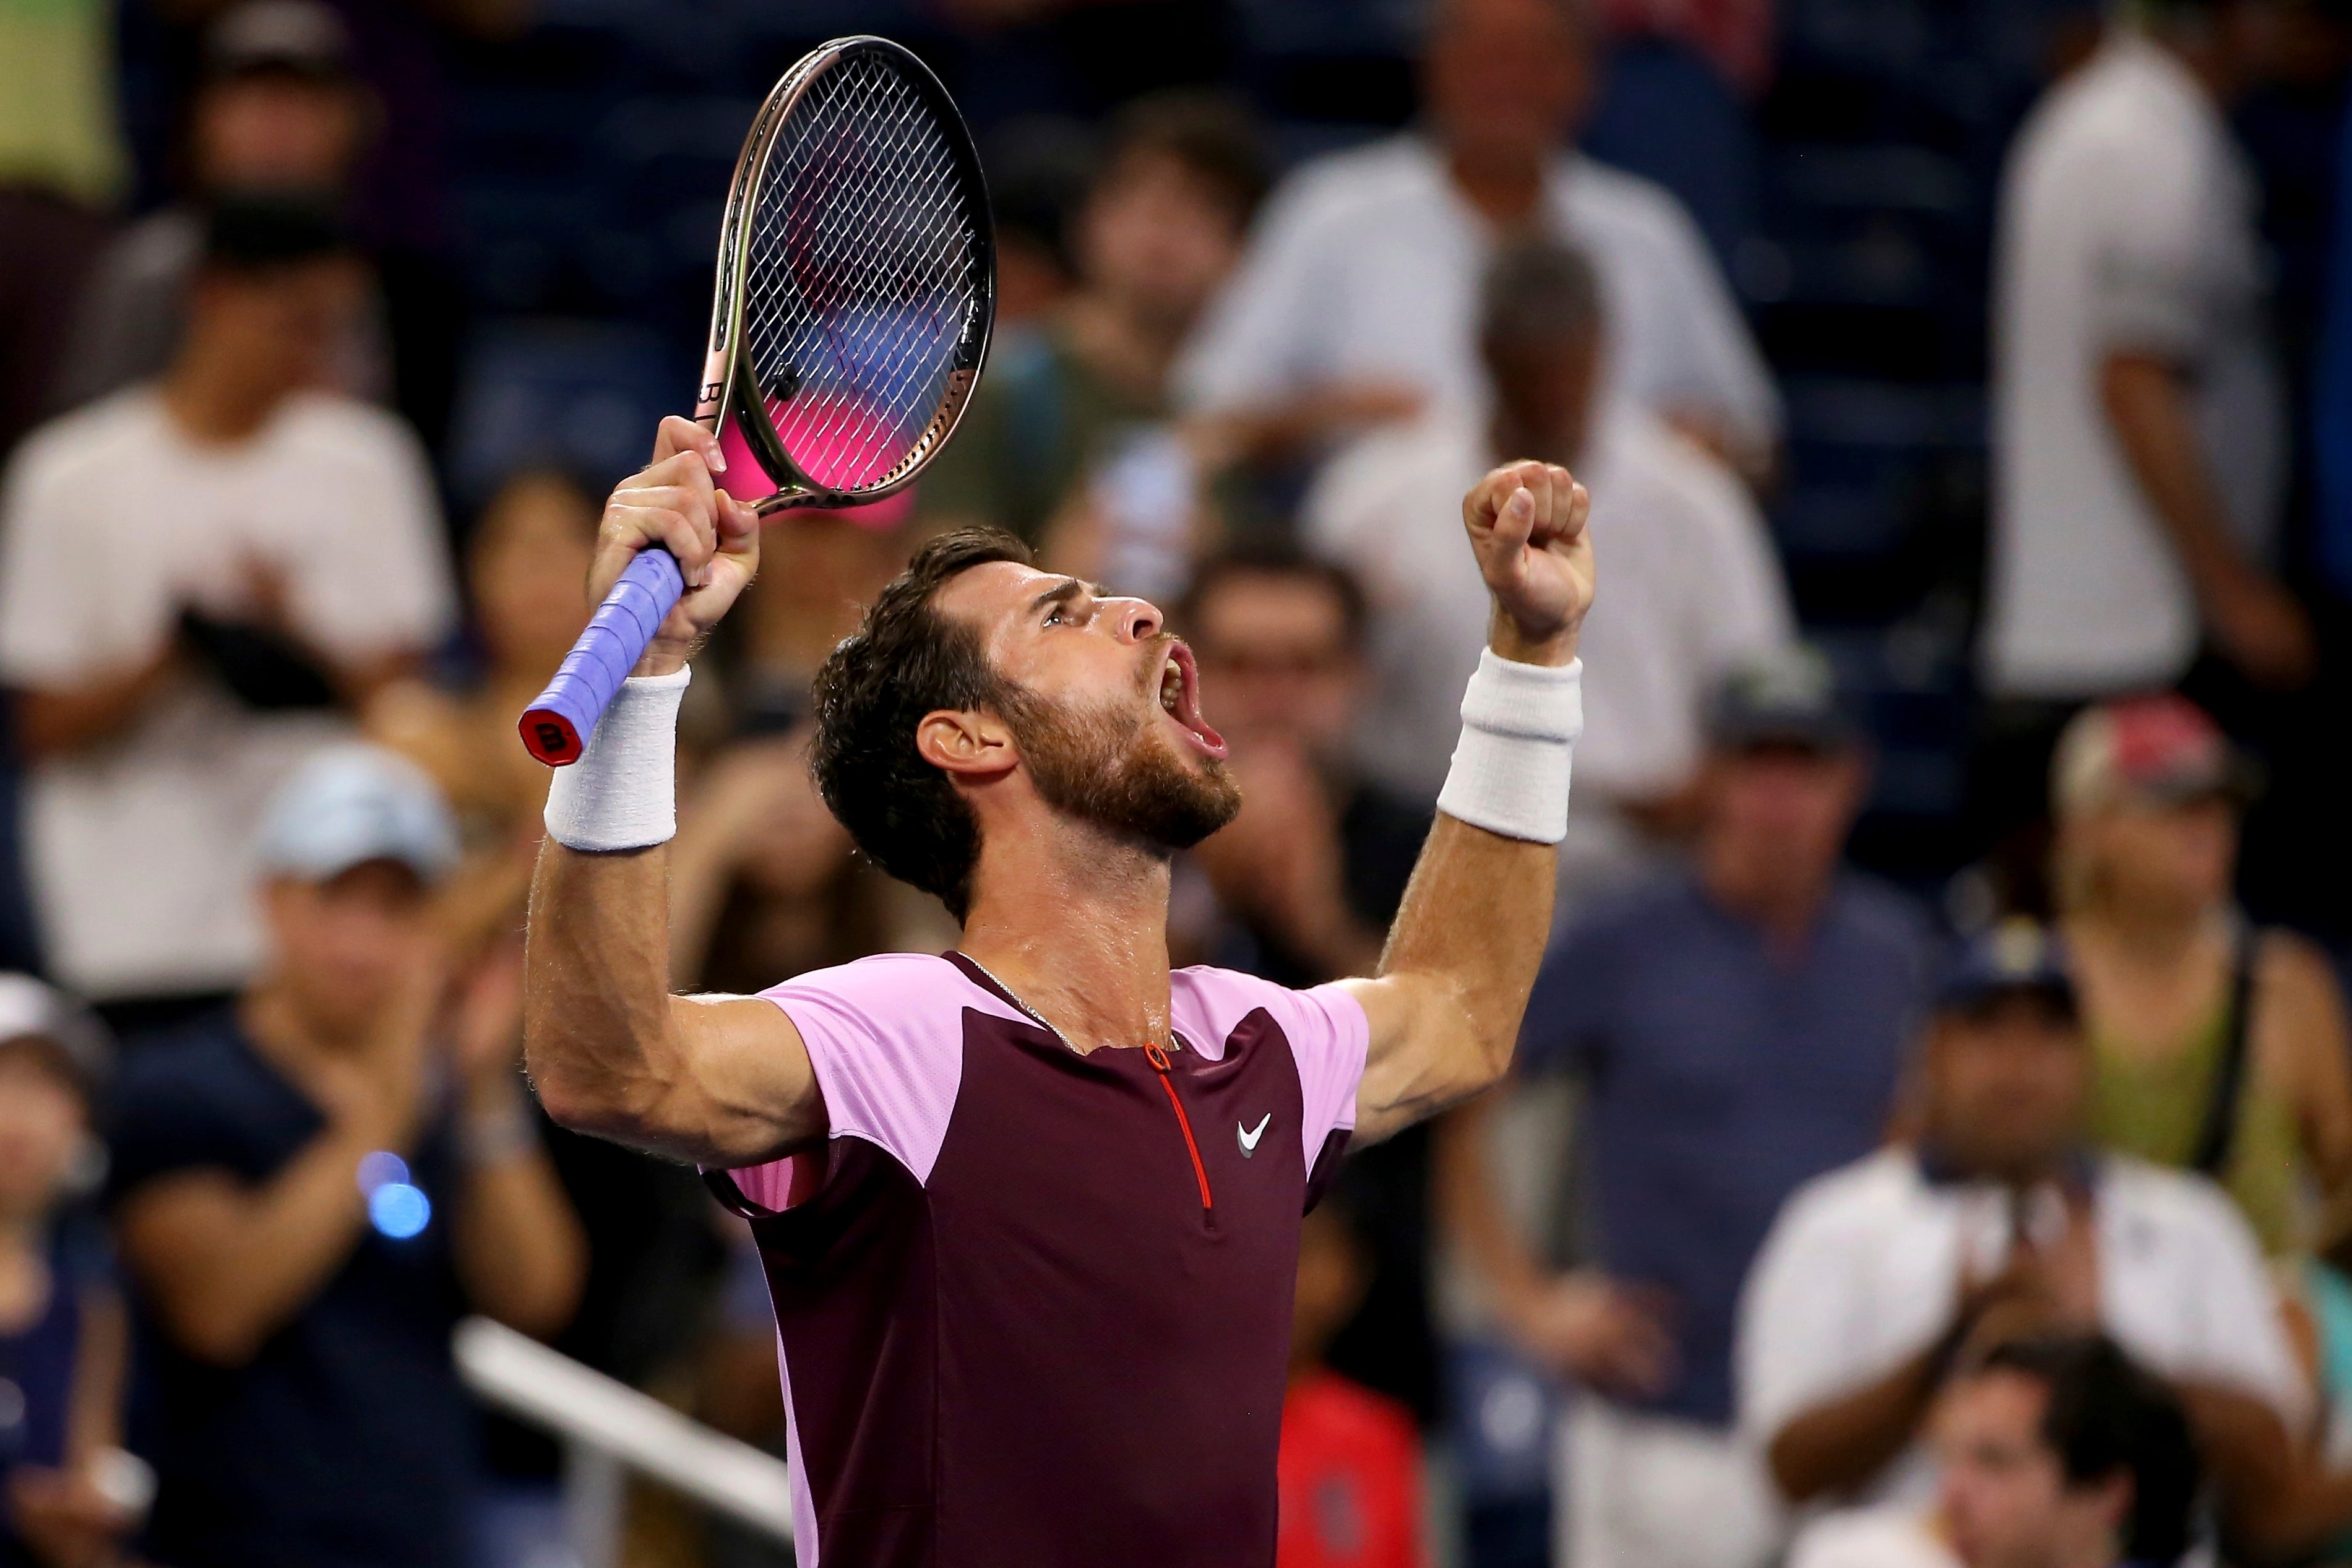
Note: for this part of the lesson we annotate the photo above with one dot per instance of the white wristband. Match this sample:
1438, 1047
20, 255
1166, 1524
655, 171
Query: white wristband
623, 792
1519, 725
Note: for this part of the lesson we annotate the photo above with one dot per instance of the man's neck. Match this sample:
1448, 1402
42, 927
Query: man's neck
1128, 347
212, 405
1511, 439
1075, 925
1507, 191
1785, 911
23, 1271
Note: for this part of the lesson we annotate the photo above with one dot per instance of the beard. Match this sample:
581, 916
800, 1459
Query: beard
1109, 768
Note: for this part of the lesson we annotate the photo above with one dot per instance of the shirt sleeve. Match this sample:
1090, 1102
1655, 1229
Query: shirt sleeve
382, 585
2237, 1338
2149, 296
55, 628
1331, 1037
1257, 341
1790, 1350
1697, 352
889, 1057
1744, 612
164, 1122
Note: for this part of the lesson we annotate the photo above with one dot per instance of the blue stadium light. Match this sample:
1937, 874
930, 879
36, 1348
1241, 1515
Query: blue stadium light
380, 1168
399, 1210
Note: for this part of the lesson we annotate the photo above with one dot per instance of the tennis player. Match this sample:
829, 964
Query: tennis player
1030, 1210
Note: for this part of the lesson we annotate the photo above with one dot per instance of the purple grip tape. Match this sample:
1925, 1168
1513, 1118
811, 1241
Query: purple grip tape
558, 725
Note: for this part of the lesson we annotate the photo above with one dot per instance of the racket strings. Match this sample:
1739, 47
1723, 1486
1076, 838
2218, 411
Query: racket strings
864, 264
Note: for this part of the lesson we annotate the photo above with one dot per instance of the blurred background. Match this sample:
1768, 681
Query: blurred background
1965, 390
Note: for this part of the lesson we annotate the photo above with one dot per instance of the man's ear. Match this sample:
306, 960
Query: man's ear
966, 743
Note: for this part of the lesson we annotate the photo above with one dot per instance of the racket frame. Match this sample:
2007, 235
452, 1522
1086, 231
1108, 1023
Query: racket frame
729, 389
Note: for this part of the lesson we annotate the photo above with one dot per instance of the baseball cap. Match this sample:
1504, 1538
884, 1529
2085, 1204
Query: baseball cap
295, 36
1787, 696
2161, 749
72, 1033
2016, 955
350, 805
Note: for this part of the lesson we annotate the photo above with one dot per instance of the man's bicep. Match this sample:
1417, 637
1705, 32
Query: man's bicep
1414, 1052
751, 1094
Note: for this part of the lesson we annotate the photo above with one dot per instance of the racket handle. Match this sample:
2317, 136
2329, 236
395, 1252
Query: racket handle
558, 725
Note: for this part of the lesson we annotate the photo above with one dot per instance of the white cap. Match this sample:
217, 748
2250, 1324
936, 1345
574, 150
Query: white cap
351, 805
32, 1011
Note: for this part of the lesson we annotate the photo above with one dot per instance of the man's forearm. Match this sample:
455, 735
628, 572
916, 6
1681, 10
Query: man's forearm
2151, 419
596, 1002
57, 721
1837, 1447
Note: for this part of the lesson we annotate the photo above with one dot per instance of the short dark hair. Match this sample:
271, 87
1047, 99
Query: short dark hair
906, 659
2106, 1414
1539, 288
1210, 133
250, 235
1273, 558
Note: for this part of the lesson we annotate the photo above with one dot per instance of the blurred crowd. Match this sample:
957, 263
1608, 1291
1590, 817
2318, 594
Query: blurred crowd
1981, 1198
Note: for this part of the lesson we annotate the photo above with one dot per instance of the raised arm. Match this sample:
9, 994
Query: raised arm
1463, 951
719, 1080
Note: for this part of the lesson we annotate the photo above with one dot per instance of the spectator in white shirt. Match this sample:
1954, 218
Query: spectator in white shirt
195, 575
1361, 281
2051, 1453
1999, 1222
1693, 589
2140, 436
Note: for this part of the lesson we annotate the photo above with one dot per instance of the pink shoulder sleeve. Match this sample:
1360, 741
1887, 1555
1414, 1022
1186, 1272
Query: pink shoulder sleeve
1328, 1032
885, 1035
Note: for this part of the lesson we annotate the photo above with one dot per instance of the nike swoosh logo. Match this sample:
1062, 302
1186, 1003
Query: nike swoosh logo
1247, 1137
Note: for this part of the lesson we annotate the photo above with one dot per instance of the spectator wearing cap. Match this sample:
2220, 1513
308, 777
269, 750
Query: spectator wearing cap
2000, 1221
271, 554
1694, 588
277, 113
68, 1492
1358, 296
1737, 1028
310, 1189
1160, 228
2219, 1048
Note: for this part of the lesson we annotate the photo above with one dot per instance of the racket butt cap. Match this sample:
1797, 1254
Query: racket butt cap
549, 736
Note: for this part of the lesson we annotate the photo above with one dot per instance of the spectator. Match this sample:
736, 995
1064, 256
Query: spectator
527, 575
2000, 1221
2220, 1048
1310, 874
310, 1189
763, 880
1692, 586
68, 1492
1738, 1028
1350, 1467
269, 553
1362, 282
2138, 427
277, 113
823, 569
1161, 226
2052, 1452
62, 166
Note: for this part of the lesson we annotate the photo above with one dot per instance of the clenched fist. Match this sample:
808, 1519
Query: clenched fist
673, 502
1527, 527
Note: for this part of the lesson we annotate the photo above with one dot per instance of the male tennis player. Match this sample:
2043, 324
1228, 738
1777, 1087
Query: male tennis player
1030, 1211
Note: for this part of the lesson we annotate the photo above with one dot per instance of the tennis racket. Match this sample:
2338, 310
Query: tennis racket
856, 288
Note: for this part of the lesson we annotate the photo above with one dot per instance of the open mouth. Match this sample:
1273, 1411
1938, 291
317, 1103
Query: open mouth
1179, 697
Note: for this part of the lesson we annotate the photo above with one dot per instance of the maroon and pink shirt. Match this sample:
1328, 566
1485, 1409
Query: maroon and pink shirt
1034, 1307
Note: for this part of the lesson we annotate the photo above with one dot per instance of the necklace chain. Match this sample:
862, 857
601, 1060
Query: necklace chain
1035, 1016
